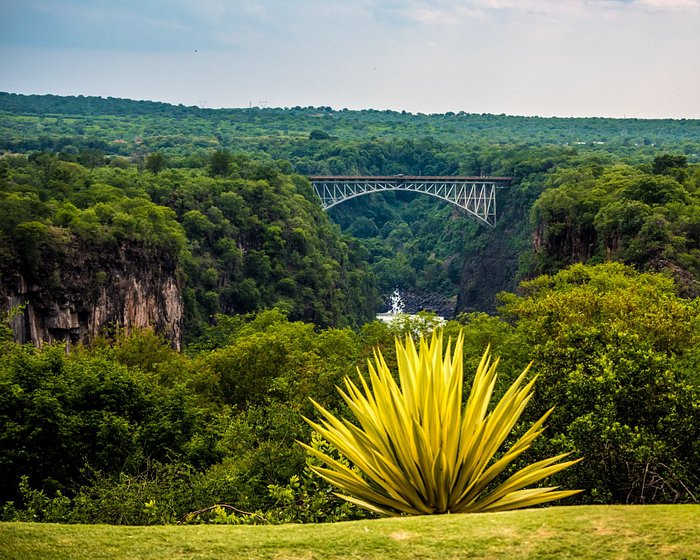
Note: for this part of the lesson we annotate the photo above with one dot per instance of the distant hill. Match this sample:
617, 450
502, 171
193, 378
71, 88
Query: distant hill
223, 126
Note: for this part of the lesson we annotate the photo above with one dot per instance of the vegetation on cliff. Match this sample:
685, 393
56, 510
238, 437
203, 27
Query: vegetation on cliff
647, 216
248, 241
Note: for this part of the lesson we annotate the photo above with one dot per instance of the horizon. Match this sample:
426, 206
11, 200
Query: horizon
572, 58
340, 110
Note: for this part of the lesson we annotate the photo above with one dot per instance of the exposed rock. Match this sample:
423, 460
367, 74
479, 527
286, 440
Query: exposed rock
425, 301
486, 272
572, 244
76, 293
686, 282
492, 263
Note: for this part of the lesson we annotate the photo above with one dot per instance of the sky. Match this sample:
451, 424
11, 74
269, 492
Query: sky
612, 58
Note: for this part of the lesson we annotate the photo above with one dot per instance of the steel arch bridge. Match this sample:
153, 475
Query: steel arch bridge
475, 195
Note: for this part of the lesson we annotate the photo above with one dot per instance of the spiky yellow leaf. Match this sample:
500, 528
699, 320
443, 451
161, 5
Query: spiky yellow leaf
420, 450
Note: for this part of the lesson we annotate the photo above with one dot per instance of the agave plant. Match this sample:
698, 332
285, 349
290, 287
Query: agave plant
419, 450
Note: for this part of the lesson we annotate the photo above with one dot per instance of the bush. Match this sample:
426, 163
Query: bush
616, 352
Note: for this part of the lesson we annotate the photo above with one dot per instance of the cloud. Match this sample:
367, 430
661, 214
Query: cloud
669, 5
648, 5
133, 25
449, 16
469, 12
451, 13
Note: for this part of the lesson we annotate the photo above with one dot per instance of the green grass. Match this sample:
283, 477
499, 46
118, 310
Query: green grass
635, 532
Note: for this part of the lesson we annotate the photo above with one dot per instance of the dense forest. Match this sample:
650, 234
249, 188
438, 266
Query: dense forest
429, 250
186, 295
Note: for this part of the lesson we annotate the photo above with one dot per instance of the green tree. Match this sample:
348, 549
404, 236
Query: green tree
155, 162
665, 163
220, 163
92, 157
317, 134
615, 351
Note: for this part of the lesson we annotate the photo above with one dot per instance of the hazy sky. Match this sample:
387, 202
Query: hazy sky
635, 58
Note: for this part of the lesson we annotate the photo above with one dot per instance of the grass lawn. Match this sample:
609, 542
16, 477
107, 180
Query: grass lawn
634, 532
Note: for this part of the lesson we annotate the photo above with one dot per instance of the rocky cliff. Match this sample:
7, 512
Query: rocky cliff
492, 262
415, 302
75, 293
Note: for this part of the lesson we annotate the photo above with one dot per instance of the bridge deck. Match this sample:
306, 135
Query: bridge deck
430, 178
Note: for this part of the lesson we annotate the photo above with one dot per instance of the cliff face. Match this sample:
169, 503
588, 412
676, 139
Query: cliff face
486, 271
563, 246
491, 264
73, 294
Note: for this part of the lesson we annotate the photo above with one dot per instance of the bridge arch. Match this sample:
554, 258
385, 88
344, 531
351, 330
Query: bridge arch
474, 195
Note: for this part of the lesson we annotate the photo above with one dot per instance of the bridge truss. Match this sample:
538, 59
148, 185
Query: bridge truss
475, 195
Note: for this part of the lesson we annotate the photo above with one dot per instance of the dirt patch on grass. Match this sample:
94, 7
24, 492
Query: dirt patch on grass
545, 532
507, 532
603, 530
401, 536
671, 551
297, 555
